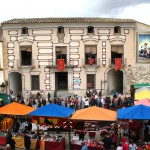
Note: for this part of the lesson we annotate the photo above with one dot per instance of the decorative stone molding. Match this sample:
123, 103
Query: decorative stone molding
61, 37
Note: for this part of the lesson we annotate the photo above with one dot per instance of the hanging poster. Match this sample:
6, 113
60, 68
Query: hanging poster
143, 53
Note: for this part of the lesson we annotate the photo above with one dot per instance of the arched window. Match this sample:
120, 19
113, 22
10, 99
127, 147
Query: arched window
60, 29
90, 29
24, 30
117, 29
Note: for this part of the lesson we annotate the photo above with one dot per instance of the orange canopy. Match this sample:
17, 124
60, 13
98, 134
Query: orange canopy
95, 113
16, 109
144, 101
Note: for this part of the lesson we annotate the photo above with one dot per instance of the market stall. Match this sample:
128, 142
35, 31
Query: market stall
20, 143
13, 109
91, 116
53, 110
135, 116
2, 140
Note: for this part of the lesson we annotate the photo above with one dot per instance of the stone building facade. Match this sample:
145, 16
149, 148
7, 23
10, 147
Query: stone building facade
88, 46
1, 58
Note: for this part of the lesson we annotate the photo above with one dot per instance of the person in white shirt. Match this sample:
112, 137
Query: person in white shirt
102, 102
119, 147
86, 104
83, 99
132, 145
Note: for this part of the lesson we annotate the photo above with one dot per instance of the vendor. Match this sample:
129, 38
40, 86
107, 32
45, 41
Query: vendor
16, 125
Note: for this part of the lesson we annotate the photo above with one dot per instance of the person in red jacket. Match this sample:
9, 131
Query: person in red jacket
125, 145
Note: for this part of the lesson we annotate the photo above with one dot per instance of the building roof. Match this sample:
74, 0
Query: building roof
67, 20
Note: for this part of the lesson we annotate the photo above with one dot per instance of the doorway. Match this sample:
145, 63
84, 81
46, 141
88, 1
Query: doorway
115, 81
61, 80
15, 82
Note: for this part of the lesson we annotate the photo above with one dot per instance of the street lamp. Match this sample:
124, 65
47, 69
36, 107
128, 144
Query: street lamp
2, 87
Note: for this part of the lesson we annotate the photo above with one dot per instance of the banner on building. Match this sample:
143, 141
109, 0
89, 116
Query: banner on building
118, 63
61, 64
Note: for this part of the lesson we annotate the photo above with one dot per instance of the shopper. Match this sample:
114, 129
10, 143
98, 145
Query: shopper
132, 145
27, 141
84, 146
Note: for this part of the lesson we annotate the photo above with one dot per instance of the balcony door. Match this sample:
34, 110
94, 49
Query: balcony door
61, 53
90, 53
116, 52
26, 55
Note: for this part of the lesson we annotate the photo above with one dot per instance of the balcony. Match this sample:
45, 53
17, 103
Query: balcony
112, 62
55, 66
91, 63
25, 63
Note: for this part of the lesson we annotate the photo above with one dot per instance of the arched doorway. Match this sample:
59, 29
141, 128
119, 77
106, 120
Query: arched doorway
114, 81
15, 82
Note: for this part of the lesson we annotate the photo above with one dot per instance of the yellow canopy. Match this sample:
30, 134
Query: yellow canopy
16, 109
95, 113
142, 94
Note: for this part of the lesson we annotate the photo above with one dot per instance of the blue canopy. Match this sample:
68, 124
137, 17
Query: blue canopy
138, 112
52, 110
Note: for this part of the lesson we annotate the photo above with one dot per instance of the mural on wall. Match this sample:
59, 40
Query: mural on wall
143, 54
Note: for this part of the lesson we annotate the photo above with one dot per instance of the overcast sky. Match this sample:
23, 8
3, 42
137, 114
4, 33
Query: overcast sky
138, 10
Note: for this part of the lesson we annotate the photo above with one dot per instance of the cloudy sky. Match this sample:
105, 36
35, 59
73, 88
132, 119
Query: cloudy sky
138, 10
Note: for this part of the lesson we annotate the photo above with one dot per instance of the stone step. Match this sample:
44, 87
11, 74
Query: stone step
63, 94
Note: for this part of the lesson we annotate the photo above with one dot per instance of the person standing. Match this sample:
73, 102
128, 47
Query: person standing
125, 145
107, 142
38, 143
49, 96
132, 145
27, 141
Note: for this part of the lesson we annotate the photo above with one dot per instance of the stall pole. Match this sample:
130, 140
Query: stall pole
69, 136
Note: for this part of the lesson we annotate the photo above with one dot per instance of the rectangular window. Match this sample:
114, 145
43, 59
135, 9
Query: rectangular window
24, 30
90, 53
90, 29
90, 81
35, 85
117, 29
116, 52
60, 29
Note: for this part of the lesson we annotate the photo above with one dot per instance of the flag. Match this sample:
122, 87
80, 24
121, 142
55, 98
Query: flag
91, 61
61, 64
118, 63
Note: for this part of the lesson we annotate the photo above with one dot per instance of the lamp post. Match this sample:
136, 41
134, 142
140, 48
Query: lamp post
2, 87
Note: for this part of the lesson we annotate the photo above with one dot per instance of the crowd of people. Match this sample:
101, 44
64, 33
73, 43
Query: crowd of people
91, 98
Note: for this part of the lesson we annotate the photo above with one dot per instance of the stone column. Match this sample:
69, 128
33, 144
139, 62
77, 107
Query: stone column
52, 80
70, 80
